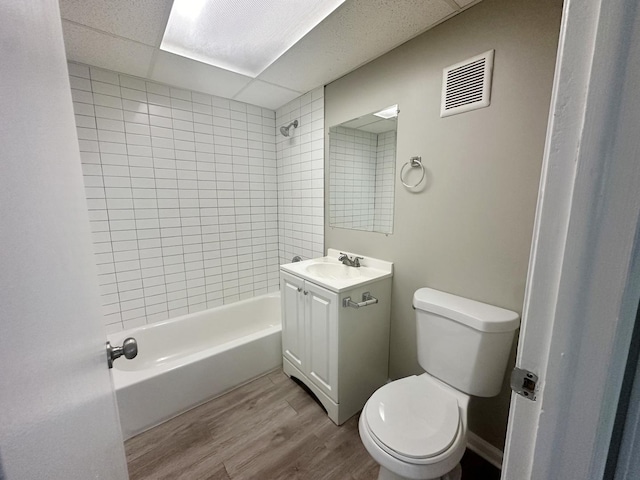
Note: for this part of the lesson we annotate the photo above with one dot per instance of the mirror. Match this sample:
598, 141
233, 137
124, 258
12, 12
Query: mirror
362, 163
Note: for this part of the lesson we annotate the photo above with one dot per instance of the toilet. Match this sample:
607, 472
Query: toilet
416, 427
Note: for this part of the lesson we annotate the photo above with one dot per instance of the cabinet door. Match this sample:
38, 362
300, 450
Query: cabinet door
293, 325
322, 338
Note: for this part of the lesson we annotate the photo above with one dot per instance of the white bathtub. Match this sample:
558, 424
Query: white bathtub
186, 361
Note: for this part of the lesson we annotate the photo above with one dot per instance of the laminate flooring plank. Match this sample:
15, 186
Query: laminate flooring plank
155, 451
240, 406
267, 429
343, 456
247, 396
236, 437
278, 377
263, 450
219, 445
289, 463
175, 448
154, 438
291, 450
295, 451
300, 398
207, 468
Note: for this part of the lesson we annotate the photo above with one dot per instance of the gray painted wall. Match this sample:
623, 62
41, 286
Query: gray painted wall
469, 231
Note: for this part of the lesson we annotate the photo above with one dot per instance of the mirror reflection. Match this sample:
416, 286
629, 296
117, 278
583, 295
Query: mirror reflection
362, 160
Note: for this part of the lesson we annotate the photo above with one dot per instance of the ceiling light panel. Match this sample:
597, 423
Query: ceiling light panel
244, 36
389, 112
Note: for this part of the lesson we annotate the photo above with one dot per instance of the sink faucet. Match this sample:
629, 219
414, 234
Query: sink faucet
348, 261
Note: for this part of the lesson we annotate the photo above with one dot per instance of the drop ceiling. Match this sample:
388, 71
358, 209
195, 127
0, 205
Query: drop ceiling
125, 36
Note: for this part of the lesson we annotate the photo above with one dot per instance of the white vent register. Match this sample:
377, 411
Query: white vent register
467, 85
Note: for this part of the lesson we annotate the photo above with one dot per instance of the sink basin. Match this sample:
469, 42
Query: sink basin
329, 273
332, 271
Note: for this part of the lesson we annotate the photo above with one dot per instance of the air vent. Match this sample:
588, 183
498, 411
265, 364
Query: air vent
467, 85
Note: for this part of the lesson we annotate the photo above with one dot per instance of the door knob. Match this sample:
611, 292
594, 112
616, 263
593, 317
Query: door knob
129, 349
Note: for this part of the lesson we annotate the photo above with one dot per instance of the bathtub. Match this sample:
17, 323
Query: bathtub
184, 362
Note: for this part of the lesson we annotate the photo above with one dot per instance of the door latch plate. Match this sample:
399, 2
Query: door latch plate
524, 382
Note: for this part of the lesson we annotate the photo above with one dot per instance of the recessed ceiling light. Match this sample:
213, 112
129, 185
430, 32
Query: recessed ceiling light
389, 112
244, 36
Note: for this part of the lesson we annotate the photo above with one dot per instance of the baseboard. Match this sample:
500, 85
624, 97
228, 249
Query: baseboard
491, 454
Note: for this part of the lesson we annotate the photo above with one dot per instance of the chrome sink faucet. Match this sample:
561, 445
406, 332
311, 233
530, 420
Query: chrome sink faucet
348, 261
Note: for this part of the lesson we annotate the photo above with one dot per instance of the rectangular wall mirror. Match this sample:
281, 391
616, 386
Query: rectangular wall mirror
362, 162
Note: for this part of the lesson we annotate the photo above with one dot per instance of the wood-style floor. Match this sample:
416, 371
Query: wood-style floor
268, 429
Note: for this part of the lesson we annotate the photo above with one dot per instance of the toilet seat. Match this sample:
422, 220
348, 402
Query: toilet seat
413, 419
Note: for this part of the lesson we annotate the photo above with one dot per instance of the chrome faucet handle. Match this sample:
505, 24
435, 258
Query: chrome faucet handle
349, 261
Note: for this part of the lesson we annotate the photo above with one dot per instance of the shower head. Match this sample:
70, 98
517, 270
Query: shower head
285, 130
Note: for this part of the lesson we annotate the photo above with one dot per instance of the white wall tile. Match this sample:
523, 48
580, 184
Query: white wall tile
194, 200
157, 163
294, 194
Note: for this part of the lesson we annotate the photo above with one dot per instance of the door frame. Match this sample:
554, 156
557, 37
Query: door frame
583, 284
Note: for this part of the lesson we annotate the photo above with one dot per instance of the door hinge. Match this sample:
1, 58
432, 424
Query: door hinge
524, 382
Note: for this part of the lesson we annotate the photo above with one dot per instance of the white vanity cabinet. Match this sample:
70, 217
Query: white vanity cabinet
339, 352
310, 331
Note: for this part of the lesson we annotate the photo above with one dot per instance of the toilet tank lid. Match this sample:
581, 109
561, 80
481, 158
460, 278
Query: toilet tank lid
477, 315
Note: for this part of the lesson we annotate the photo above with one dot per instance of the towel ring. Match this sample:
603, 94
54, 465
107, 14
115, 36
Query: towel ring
413, 162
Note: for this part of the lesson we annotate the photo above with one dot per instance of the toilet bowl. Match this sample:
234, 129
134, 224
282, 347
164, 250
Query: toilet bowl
416, 427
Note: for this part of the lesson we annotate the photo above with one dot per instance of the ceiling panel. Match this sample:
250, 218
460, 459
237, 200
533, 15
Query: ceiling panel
266, 95
356, 33
185, 73
124, 35
89, 46
139, 20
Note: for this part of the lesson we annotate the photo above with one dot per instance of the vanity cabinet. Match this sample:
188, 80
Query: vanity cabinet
339, 352
310, 331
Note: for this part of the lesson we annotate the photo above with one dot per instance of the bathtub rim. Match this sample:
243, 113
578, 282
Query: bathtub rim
125, 378
226, 306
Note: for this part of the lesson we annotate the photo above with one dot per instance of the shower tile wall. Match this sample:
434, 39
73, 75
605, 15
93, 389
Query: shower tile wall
301, 177
182, 193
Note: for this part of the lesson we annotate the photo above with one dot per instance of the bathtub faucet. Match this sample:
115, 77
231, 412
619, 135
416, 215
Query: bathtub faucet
348, 261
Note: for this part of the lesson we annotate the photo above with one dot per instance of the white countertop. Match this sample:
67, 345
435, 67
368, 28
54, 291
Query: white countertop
341, 277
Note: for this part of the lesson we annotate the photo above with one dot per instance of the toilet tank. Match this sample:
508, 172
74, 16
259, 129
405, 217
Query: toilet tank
464, 343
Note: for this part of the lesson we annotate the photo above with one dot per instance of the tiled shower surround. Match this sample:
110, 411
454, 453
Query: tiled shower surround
301, 177
182, 190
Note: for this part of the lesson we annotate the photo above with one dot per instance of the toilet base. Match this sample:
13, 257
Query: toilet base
455, 474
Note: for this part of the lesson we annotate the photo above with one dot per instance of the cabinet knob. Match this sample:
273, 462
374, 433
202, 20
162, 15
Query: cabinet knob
299, 289
305, 292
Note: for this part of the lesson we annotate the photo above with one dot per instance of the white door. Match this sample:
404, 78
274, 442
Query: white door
583, 285
293, 325
58, 417
322, 338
